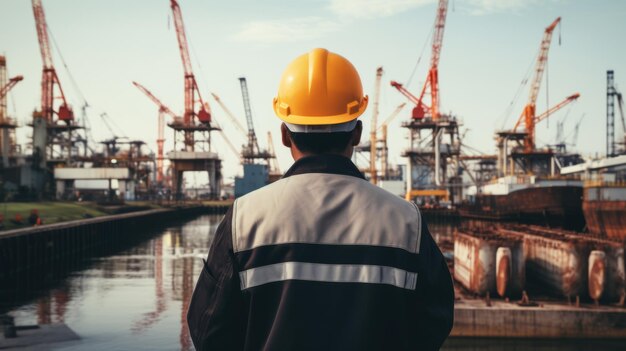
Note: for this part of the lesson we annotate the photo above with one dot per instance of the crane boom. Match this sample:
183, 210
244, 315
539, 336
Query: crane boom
542, 59
433, 77
163, 110
49, 76
432, 81
148, 93
392, 116
557, 107
230, 114
12, 82
373, 127
253, 145
528, 115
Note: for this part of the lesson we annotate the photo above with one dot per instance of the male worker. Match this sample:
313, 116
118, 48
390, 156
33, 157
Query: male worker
322, 259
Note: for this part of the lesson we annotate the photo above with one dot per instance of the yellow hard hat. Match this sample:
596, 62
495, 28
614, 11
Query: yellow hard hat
320, 88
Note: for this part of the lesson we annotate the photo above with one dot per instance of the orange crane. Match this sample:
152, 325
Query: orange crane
203, 114
373, 138
7, 87
421, 110
163, 110
49, 77
528, 116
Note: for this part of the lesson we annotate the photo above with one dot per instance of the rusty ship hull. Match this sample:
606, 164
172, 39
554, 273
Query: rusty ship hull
604, 207
557, 206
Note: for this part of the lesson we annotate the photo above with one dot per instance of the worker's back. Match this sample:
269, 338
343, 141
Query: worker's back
327, 261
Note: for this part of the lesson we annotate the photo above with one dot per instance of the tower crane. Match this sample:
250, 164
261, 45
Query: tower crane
373, 137
528, 116
7, 87
421, 110
203, 113
49, 78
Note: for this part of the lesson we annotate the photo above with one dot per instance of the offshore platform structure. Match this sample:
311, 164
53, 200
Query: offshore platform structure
613, 94
192, 133
8, 143
428, 173
517, 152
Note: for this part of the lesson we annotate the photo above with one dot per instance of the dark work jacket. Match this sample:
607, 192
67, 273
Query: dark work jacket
322, 260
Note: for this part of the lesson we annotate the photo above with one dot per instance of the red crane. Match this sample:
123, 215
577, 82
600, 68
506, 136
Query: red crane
5, 89
528, 116
203, 114
49, 78
163, 110
432, 81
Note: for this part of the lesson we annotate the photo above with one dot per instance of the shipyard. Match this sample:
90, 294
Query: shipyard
129, 132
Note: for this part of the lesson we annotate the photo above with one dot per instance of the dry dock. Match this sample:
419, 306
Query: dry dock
473, 318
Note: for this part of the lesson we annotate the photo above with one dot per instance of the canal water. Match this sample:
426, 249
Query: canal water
136, 299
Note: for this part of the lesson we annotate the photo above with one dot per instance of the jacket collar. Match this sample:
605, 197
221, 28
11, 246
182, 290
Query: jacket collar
324, 163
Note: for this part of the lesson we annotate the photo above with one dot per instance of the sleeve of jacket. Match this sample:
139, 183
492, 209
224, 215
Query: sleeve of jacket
215, 317
436, 292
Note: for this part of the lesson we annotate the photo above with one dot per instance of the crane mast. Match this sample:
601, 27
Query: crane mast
252, 149
528, 114
191, 86
373, 138
49, 76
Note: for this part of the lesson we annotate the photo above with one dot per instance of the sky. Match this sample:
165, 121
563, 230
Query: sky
488, 48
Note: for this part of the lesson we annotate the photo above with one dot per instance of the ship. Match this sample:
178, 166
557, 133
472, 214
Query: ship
604, 195
550, 201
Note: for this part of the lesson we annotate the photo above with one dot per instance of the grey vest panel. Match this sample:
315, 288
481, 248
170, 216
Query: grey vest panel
330, 209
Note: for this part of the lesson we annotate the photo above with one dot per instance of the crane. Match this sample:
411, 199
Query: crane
275, 167
163, 110
230, 114
49, 77
7, 87
251, 151
611, 94
432, 81
373, 137
191, 86
528, 116
384, 161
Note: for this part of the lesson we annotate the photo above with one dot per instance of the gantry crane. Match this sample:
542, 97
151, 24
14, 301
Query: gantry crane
422, 110
373, 127
528, 116
49, 77
251, 150
192, 94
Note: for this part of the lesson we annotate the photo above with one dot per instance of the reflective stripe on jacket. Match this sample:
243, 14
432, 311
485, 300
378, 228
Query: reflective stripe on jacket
322, 260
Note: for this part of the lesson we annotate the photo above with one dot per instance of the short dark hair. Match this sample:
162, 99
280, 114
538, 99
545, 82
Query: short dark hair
321, 143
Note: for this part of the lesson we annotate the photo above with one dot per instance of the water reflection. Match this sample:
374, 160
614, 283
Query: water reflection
136, 298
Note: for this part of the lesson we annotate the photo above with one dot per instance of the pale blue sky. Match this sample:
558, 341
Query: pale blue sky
487, 50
